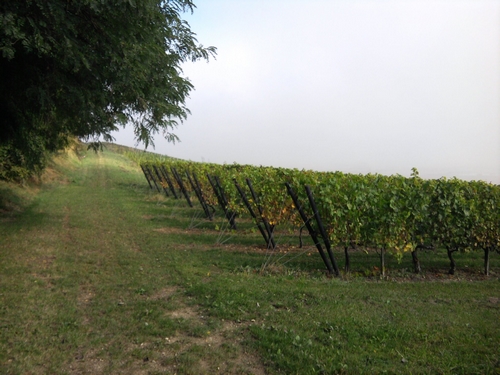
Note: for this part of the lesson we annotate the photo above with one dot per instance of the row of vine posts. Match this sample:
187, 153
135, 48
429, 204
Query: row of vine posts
448, 222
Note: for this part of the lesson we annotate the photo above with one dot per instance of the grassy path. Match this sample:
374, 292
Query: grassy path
82, 291
101, 276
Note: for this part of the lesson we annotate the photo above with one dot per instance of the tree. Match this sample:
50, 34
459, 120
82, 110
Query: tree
80, 68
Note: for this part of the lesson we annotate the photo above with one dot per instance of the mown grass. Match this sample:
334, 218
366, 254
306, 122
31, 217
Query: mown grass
98, 274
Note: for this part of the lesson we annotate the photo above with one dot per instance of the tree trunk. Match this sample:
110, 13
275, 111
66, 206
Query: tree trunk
487, 261
382, 261
452, 261
347, 267
416, 262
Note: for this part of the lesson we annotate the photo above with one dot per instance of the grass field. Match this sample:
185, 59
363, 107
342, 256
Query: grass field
101, 275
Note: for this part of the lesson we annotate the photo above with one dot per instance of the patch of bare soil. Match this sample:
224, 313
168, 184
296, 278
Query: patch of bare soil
85, 296
164, 294
224, 351
172, 230
215, 343
88, 363
494, 300
257, 248
203, 351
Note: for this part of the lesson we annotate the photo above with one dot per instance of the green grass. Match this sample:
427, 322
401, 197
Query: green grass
100, 275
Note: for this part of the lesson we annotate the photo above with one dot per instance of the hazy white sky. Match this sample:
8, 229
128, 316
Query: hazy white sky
352, 85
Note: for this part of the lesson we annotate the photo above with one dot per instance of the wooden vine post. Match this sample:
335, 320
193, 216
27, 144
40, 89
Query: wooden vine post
169, 181
221, 198
265, 234
181, 186
322, 230
152, 177
310, 229
160, 179
199, 194
147, 176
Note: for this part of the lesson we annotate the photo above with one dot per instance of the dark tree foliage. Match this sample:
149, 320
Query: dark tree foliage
80, 68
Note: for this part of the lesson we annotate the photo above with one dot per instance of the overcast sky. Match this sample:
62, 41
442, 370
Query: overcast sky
352, 85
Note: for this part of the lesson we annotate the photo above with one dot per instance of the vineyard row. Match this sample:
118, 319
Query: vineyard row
393, 214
